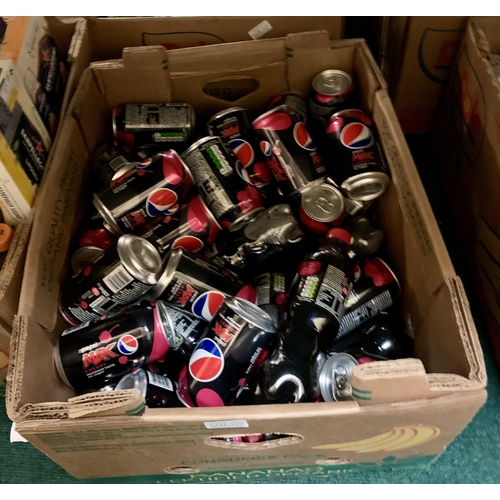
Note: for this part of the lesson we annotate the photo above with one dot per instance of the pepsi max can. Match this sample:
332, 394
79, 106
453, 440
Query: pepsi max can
334, 377
289, 150
190, 228
94, 354
106, 160
119, 277
235, 129
157, 125
143, 191
355, 160
223, 182
235, 343
194, 285
271, 291
294, 101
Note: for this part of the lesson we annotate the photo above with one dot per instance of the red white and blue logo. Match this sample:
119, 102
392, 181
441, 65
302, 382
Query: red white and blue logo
159, 201
266, 148
127, 344
206, 305
302, 137
206, 362
243, 151
188, 243
356, 136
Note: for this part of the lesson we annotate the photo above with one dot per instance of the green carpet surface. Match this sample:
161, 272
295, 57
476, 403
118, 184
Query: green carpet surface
472, 458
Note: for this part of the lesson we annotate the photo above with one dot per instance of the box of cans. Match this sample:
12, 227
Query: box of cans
244, 287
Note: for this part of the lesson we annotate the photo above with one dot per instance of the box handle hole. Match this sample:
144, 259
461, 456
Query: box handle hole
254, 441
231, 89
334, 461
182, 470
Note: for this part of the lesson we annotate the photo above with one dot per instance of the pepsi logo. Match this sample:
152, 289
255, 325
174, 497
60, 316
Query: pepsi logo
206, 362
206, 305
242, 171
356, 136
188, 243
127, 344
265, 147
159, 201
243, 151
145, 163
302, 137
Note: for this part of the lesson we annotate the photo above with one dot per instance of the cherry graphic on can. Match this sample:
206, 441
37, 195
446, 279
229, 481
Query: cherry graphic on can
218, 175
234, 127
191, 228
142, 191
289, 150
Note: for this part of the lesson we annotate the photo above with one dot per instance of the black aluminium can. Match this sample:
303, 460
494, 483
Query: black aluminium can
271, 288
191, 228
106, 160
235, 343
293, 100
122, 275
231, 199
162, 125
195, 285
235, 129
144, 191
289, 150
355, 160
94, 354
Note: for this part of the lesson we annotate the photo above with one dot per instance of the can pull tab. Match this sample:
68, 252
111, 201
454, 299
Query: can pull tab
325, 205
343, 387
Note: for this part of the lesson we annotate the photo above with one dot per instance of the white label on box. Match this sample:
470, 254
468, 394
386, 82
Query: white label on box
227, 424
260, 30
15, 437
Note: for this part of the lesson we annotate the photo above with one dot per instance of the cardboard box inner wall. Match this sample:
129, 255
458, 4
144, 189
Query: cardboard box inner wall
433, 396
466, 143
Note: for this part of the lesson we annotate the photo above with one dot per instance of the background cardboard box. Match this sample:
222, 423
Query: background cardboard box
416, 54
107, 435
466, 143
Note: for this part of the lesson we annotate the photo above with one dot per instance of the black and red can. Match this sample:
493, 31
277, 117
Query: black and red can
234, 127
294, 101
354, 159
143, 191
121, 276
271, 288
321, 208
222, 183
190, 228
159, 126
195, 285
235, 343
108, 159
290, 152
94, 354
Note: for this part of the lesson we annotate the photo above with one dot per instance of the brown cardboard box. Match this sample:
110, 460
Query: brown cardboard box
4, 353
466, 142
405, 413
416, 56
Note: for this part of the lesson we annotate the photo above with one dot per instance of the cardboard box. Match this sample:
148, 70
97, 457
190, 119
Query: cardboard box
4, 353
422, 404
416, 55
467, 149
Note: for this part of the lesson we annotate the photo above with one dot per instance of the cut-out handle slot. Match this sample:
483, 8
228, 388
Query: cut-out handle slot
182, 470
231, 89
254, 441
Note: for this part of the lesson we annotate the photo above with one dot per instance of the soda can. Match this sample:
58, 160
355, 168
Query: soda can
235, 129
84, 257
143, 191
334, 377
355, 159
106, 160
321, 208
95, 354
365, 239
237, 340
331, 91
191, 228
158, 391
120, 276
156, 125
289, 150
222, 183
194, 285
376, 290
271, 294
294, 101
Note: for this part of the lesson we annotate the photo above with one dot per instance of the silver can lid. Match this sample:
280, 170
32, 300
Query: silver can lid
136, 379
334, 377
108, 218
201, 141
84, 256
251, 313
225, 112
166, 276
366, 186
323, 203
140, 258
331, 82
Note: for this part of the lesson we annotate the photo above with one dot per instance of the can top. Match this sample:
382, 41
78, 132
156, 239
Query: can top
251, 313
136, 379
109, 221
323, 203
201, 141
167, 274
331, 82
140, 258
340, 234
366, 186
225, 112
84, 256
380, 272
334, 376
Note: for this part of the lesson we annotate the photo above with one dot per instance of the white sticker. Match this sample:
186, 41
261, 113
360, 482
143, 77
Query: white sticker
226, 424
15, 437
260, 30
